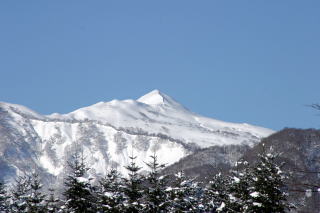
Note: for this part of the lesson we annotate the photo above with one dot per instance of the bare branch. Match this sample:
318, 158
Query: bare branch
315, 106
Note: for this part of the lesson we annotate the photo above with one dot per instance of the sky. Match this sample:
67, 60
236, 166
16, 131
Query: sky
245, 61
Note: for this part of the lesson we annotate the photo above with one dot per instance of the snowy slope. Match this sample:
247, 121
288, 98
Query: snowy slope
109, 132
158, 113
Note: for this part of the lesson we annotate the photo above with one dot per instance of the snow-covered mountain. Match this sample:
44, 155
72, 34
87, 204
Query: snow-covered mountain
109, 132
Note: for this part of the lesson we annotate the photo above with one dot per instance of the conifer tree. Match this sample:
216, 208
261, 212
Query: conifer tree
257, 188
52, 202
4, 198
156, 199
133, 189
267, 186
110, 196
239, 189
185, 195
20, 194
78, 190
217, 196
35, 198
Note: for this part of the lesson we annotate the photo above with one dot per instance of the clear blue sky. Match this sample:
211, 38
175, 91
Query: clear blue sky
241, 61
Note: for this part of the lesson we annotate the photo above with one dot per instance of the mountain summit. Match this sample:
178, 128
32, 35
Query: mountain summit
107, 132
156, 97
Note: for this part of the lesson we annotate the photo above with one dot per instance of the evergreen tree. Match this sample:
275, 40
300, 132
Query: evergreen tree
217, 196
133, 189
156, 199
78, 191
185, 195
52, 202
267, 186
238, 189
35, 198
4, 199
20, 194
257, 188
110, 195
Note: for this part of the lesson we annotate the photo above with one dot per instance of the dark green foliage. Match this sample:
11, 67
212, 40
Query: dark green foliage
267, 185
20, 194
27, 195
35, 198
52, 202
239, 188
185, 195
78, 192
156, 198
299, 160
4, 198
248, 189
133, 189
217, 193
257, 188
110, 195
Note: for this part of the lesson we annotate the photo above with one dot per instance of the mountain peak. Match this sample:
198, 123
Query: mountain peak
155, 97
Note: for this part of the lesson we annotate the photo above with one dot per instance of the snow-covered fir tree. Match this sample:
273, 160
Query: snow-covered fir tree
156, 198
19, 193
217, 193
185, 195
267, 186
239, 189
35, 197
132, 188
110, 193
257, 188
52, 202
247, 189
4, 198
78, 190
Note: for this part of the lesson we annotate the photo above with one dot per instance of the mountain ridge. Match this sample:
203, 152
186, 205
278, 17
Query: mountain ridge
108, 132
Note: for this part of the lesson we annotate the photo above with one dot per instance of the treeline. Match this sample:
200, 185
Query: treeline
248, 188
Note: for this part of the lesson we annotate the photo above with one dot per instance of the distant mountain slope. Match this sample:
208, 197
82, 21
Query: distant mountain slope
109, 132
206, 162
299, 154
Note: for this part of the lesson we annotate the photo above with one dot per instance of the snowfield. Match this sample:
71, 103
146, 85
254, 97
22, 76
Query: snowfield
109, 132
